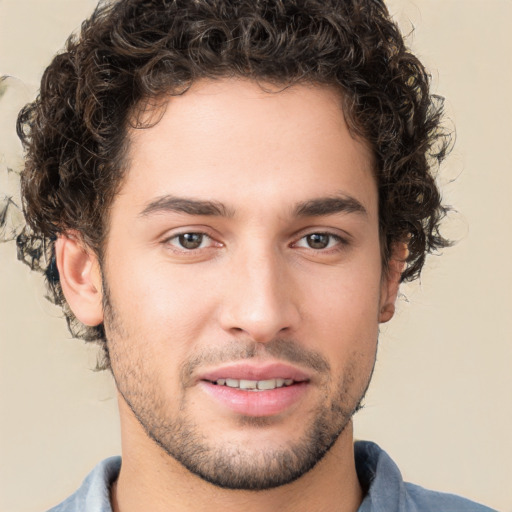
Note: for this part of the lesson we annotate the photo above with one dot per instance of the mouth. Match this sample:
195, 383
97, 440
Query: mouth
254, 385
253, 390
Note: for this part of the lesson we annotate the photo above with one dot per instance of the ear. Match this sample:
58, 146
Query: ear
80, 278
391, 281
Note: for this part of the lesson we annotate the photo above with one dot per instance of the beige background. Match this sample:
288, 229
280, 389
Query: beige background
441, 400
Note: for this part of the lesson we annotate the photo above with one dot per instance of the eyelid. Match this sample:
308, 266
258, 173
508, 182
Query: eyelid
319, 230
342, 239
174, 234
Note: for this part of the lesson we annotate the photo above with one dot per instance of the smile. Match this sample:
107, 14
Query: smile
254, 385
256, 389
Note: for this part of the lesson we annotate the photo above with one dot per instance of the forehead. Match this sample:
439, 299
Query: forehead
237, 142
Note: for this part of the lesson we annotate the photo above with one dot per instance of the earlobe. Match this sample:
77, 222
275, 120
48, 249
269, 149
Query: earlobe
80, 278
391, 282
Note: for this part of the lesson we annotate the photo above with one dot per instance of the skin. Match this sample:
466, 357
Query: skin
258, 288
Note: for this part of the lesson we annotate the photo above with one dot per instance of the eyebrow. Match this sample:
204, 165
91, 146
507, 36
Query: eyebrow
188, 206
312, 208
329, 206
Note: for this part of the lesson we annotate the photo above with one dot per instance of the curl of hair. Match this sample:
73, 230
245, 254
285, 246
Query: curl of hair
131, 52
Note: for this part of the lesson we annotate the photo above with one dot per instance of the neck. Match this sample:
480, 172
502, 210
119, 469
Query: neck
152, 480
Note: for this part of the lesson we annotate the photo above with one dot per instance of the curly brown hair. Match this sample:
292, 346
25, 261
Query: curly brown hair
132, 51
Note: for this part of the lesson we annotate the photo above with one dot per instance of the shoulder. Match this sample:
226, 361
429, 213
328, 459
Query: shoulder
386, 491
94, 493
424, 500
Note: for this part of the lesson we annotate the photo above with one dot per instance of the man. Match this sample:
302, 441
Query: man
229, 194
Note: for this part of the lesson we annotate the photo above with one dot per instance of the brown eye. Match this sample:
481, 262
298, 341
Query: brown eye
191, 240
321, 241
318, 240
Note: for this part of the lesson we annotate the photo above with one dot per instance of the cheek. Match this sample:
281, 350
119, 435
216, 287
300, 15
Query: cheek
160, 307
343, 313
155, 326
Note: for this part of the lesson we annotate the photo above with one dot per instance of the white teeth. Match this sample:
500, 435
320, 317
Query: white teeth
254, 385
248, 384
267, 384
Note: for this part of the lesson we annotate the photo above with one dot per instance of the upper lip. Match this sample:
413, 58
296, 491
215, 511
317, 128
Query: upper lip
248, 371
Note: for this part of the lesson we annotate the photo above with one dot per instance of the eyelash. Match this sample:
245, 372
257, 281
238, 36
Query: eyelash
339, 242
168, 241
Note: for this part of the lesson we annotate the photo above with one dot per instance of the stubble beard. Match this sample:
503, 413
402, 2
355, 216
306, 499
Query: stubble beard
230, 466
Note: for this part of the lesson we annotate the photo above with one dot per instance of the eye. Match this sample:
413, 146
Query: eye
319, 241
190, 241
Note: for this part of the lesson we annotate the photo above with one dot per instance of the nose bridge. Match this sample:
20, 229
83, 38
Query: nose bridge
258, 299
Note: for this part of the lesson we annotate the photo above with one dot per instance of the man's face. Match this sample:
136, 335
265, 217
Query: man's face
244, 281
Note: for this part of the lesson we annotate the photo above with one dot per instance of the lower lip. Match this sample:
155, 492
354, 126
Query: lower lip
256, 403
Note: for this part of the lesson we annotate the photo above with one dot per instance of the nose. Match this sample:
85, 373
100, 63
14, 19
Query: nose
259, 299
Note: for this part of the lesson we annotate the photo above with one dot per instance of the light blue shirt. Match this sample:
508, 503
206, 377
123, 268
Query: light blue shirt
378, 474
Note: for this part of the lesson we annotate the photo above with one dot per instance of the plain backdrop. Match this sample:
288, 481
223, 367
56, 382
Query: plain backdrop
441, 399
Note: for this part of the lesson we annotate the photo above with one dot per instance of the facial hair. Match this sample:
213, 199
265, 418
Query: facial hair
230, 465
